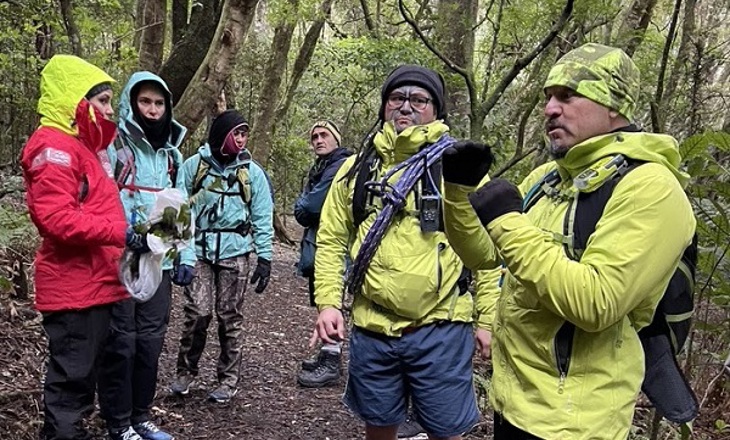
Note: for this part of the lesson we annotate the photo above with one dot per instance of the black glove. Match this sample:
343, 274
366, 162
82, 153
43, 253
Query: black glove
495, 199
466, 163
262, 273
182, 274
137, 242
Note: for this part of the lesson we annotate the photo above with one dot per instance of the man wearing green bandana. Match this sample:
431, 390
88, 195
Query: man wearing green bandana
568, 363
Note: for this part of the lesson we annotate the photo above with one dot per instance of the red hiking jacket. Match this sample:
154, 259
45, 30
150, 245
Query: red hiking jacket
72, 199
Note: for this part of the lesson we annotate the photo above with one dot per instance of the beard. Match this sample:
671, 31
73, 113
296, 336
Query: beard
414, 117
557, 151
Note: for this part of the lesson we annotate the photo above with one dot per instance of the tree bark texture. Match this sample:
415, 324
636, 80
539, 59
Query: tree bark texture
304, 57
633, 28
204, 88
187, 55
679, 67
454, 34
72, 31
152, 38
179, 19
263, 126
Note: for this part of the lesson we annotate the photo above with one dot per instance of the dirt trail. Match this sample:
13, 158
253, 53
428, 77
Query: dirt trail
269, 406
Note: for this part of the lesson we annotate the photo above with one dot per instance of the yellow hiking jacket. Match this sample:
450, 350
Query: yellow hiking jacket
411, 280
609, 294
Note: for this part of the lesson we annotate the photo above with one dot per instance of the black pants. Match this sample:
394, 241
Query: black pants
128, 374
75, 341
504, 430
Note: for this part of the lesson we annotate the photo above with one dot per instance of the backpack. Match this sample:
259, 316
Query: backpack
125, 168
664, 384
242, 176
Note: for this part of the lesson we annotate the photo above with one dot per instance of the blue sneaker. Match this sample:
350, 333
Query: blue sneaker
149, 431
124, 434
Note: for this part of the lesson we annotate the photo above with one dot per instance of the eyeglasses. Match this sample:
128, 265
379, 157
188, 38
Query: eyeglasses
417, 102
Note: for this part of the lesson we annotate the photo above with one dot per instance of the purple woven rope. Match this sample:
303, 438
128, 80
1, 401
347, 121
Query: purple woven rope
394, 199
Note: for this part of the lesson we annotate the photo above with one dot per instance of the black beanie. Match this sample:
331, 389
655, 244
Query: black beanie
408, 74
221, 126
99, 88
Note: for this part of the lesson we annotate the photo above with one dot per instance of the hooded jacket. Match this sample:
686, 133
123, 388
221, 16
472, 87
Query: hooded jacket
214, 210
308, 207
71, 197
610, 294
151, 166
412, 279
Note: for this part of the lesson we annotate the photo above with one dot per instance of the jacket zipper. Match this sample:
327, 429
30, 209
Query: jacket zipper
563, 344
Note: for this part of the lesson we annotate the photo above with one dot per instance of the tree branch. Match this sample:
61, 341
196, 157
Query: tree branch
369, 23
523, 62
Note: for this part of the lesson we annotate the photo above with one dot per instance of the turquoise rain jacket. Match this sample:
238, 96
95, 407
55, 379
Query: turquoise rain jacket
152, 167
215, 211
588, 391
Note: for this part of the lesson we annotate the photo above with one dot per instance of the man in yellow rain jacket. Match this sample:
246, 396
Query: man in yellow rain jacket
547, 386
412, 338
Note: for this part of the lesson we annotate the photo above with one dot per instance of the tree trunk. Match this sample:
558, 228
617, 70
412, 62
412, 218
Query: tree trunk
263, 127
683, 53
454, 33
152, 39
657, 116
633, 28
205, 87
72, 31
189, 53
306, 51
179, 20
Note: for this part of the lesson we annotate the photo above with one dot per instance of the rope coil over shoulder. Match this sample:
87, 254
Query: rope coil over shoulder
394, 199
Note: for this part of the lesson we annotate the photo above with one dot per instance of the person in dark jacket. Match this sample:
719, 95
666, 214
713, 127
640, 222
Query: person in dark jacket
73, 202
325, 139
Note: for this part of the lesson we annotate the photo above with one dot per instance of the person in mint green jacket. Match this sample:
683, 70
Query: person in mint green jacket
145, 159
233, 206
567, 357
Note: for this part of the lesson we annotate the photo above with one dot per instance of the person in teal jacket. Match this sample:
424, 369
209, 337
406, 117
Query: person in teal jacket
145, 159
568, 361
233, 207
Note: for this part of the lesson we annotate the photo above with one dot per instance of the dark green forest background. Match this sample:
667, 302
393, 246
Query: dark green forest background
286, 63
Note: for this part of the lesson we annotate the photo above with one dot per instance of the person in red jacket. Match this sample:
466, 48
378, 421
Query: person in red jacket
74, 204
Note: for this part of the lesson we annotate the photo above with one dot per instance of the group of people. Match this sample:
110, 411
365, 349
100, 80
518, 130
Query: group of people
91, 186
558, 318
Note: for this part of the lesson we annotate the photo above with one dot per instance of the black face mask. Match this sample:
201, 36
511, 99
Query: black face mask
157, 132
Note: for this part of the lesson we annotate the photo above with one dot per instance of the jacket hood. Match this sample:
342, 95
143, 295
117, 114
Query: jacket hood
65, 80
396, 147
128, 125
646, 147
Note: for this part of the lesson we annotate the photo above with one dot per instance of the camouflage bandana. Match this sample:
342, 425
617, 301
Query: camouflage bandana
603, 74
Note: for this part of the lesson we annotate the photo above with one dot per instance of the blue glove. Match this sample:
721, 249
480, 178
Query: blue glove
183, 274
262, 274
137, 242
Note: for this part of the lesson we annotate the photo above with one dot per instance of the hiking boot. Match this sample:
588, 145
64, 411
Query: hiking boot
149, 431
223, 394
411, 429
311, 363
327, 373
127, 433
181, 385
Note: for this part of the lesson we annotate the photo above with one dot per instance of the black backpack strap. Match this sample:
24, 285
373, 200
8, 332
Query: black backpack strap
361, 196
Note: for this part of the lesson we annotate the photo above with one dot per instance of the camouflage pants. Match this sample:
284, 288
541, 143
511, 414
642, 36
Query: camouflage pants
218, 287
